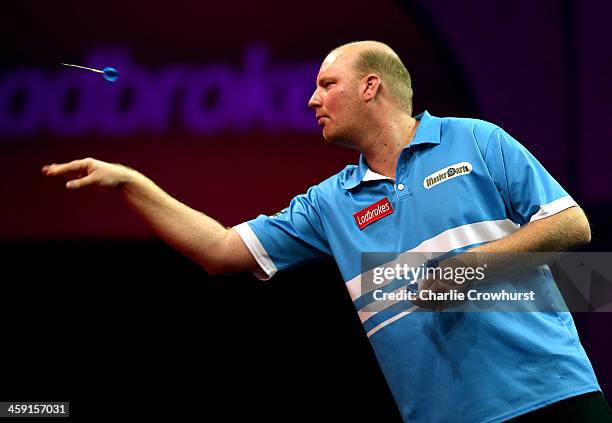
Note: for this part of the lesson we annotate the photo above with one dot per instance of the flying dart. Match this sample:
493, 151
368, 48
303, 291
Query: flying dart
109, 73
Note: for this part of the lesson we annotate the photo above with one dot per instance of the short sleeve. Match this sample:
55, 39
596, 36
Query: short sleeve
287, 238
528, 190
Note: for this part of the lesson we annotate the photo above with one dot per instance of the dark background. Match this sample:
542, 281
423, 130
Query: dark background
98, 312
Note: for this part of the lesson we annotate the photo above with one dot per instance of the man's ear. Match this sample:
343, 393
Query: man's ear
371, 87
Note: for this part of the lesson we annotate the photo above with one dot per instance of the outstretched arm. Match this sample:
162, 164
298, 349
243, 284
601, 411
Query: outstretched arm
216, 248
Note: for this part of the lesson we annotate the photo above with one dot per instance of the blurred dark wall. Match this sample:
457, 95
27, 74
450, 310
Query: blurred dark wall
108, 312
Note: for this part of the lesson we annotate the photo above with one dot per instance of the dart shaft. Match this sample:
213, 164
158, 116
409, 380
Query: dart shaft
83, 67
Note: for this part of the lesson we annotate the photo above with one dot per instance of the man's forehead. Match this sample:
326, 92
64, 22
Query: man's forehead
331, 59
335, 60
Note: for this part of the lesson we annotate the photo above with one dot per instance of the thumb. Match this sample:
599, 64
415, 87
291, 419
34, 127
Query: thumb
81, 182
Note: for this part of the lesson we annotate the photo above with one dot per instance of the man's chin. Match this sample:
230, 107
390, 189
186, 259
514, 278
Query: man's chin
332, 138
325, 135
329, 136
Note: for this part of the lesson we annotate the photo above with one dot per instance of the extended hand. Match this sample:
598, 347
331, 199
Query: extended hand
90, 172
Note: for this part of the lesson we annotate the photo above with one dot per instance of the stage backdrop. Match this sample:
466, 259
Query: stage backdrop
211, 104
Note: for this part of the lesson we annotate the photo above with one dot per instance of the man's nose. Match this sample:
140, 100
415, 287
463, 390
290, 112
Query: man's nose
314, 101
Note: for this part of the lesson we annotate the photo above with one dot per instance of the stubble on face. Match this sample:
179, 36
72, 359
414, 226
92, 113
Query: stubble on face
341, 102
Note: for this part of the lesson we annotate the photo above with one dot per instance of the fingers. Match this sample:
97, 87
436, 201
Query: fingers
81, 182
46, 168
74, 175
74, 166
427, 284
431, 287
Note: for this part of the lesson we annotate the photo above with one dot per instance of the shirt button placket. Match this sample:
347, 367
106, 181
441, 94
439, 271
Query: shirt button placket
401, 189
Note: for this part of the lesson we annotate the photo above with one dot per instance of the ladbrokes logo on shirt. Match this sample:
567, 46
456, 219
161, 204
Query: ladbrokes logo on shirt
373, 212
447, 173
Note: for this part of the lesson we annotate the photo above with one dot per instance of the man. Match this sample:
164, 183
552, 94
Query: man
440, 366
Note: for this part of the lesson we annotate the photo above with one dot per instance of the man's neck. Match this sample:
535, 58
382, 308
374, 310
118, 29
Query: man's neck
387, 143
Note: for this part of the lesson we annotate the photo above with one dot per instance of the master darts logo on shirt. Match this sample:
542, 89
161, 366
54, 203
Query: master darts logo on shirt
447, 173
372, 213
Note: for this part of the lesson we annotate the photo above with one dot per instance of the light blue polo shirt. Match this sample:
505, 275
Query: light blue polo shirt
459, 183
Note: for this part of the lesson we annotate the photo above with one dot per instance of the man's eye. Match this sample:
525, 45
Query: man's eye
328, 84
